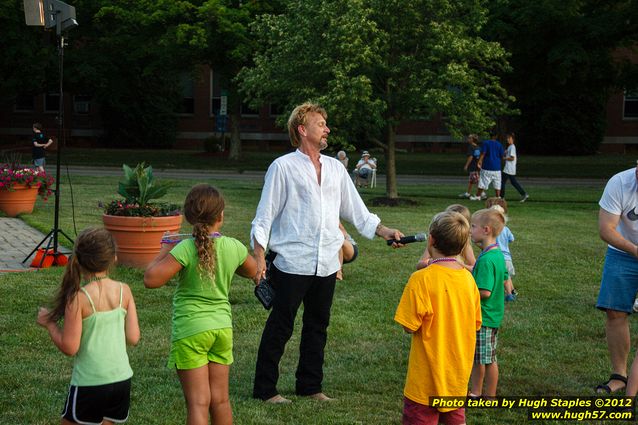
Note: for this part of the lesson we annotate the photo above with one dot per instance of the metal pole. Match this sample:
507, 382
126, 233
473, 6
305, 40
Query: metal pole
56, 219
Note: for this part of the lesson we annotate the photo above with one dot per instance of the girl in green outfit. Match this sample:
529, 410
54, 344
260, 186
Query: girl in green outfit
202, 338
100, 319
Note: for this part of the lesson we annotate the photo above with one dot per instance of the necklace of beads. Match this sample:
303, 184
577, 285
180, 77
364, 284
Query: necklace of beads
443, 260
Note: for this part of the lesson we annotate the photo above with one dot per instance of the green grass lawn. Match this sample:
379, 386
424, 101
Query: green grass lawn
552, 341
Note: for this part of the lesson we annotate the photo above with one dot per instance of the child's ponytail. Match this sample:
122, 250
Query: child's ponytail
203, 207
69, 289
205, 249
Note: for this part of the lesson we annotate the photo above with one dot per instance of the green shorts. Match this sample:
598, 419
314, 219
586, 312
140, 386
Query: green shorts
486, 341
200, 349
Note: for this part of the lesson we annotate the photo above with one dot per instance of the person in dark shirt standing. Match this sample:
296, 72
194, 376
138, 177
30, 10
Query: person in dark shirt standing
39, 143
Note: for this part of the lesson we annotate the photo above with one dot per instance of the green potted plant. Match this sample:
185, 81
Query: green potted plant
20, 186
137, 223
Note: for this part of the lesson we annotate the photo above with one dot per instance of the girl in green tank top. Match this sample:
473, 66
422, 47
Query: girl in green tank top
100, 319
201, 342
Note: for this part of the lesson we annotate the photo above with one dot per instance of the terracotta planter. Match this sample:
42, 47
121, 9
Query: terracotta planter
18, 201
139, 238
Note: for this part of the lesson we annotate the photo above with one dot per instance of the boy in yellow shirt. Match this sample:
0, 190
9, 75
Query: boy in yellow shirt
441, 308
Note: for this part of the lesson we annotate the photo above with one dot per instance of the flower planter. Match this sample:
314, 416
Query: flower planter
139, 238
19, 200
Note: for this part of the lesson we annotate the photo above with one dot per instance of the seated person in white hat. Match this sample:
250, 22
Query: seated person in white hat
364, 169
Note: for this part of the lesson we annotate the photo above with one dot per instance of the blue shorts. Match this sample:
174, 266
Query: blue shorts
39, 162
619, 284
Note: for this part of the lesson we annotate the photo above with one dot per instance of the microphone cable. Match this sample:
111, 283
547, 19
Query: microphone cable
68, 177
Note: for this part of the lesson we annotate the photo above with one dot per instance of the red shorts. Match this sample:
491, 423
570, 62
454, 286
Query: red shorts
419, 414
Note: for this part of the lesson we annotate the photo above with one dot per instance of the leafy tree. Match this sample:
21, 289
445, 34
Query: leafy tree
225, 43
374, 64
130, 56
564, 67
29, 61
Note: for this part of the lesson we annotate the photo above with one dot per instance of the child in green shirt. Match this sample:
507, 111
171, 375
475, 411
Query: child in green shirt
489, 273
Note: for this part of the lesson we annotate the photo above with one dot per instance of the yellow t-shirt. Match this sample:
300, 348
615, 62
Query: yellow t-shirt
443, 308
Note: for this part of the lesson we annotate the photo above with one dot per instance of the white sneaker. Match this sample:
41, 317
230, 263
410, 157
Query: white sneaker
525, 198
475, 198
465, 195
483, 196
636, 306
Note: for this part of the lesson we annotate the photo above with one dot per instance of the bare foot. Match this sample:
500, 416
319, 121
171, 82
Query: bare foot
277, 399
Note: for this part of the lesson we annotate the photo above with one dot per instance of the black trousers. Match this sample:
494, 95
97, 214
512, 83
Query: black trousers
290, 291
517, 186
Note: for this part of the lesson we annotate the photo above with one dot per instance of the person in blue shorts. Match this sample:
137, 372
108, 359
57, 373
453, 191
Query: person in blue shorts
618, 226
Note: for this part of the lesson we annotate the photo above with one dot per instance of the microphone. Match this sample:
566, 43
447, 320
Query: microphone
419, 237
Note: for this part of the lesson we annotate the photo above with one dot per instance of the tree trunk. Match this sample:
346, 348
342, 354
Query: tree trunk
234, 150
391, 164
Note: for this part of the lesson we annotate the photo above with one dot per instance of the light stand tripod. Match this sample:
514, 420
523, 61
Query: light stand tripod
53, 13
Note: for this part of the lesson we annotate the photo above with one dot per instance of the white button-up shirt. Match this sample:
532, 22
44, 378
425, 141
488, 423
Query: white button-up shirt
299, 218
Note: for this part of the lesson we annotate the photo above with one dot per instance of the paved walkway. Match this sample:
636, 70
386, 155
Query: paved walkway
17, 240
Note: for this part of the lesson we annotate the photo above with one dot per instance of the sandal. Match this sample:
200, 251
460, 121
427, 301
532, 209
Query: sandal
606, 389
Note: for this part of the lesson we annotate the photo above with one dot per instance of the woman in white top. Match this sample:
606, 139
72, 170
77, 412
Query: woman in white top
509, 170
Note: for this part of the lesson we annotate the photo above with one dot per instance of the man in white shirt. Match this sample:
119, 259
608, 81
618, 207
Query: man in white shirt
618, 226
305, 195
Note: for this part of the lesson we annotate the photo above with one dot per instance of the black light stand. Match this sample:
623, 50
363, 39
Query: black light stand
53, 13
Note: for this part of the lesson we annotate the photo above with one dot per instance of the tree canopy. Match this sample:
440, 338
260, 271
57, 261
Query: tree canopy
565, 67
374, 64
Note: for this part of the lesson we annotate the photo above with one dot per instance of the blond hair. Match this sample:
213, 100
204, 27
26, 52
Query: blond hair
450, 231
490, 202
492, 218
299, 117
462, 209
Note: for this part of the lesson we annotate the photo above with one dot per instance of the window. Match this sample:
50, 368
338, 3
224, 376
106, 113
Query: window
52, 102
187, 106
81, 104
24, 103
247, 111
215, 92
630, 109
276, 110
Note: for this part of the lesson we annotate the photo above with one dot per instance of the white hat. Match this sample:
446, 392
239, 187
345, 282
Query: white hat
365, 153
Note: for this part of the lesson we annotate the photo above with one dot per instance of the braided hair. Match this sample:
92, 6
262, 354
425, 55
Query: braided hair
203, 207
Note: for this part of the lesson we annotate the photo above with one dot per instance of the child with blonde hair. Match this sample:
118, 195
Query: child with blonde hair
466, 257
202, 336
100, 319
489, 273
504, 239
441, 308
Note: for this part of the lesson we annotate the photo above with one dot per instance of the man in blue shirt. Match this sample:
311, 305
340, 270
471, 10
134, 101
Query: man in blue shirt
489, 163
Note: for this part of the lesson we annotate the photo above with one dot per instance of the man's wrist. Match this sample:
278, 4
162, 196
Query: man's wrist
380, 228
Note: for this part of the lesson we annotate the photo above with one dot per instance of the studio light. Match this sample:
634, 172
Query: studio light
61, 16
